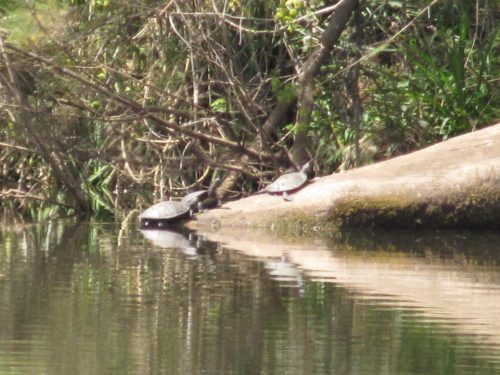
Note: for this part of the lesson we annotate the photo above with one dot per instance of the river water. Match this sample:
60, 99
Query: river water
102, 298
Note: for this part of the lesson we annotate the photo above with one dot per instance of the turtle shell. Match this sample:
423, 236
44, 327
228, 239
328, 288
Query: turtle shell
287, 182
164, 212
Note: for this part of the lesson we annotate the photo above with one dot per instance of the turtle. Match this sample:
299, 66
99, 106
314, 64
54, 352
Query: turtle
202, 198
170, 212
194, 198
289, 182
164, 213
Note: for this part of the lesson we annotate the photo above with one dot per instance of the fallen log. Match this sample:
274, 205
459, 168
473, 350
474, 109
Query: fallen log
453, 184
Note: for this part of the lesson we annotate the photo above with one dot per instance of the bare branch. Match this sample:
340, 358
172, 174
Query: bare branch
137, 108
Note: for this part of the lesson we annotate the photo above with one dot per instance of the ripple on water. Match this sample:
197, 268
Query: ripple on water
248, 307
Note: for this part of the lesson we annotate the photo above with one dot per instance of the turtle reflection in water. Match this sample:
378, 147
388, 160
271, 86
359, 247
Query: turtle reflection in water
172, 239
289, 182
189, 243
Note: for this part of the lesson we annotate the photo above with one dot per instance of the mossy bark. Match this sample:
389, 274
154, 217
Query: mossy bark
478, 208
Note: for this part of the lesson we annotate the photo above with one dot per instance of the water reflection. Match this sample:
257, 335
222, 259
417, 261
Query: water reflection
100, 299
285, 272
188, 242
172, 239
445, 284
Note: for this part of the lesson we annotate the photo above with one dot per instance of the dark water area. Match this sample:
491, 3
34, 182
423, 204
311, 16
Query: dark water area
99, 298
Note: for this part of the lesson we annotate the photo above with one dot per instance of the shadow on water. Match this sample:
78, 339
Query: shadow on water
478, 247
96, 298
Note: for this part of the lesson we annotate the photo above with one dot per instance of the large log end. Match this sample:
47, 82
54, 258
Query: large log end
453, 184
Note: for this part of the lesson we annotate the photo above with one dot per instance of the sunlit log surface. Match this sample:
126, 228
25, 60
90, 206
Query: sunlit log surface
453, 184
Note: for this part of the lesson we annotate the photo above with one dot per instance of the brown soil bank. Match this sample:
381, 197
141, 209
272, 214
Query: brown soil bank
453, 184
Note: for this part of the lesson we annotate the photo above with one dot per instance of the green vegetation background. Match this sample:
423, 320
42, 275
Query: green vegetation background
419, 71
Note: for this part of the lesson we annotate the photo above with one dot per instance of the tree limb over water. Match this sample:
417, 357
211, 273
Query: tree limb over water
137, 108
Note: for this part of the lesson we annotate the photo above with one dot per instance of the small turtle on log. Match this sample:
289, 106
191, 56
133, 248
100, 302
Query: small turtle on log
195, 198
289, 182
202, 198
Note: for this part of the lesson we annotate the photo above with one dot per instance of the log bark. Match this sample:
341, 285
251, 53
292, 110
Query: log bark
453, 184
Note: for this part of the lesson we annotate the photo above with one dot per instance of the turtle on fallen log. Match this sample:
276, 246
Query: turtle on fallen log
289, 182
452, 184
167, 213
203, 198
164, 213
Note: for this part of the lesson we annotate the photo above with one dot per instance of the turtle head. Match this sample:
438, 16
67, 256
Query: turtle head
307, 168
214, 185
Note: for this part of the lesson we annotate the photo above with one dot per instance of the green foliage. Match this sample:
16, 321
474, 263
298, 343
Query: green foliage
102, 3
437, 80
219, 105
223, 77
29, 23
289, 11
99, 185
8, 5
450, 75
284, 92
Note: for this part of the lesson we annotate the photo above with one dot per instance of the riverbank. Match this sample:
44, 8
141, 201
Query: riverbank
453, 184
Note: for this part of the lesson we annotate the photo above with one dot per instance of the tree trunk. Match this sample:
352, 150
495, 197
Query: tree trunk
311, 69
278, 117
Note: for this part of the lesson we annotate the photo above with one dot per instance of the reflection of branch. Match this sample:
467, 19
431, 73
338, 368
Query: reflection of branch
139, 109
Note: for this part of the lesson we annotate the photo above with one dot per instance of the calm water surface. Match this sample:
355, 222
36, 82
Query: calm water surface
94, 298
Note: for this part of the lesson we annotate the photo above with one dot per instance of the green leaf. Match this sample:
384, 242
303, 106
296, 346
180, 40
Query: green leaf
219, 105
395, 4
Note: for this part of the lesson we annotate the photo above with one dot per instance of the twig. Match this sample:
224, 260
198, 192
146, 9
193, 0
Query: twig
20, 148
386, 42
19, 194
137, 108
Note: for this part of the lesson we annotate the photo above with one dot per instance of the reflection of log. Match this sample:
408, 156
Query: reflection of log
454, 291
455, 183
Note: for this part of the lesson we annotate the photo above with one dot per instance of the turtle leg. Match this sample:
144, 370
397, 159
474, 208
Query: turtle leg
286, 197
